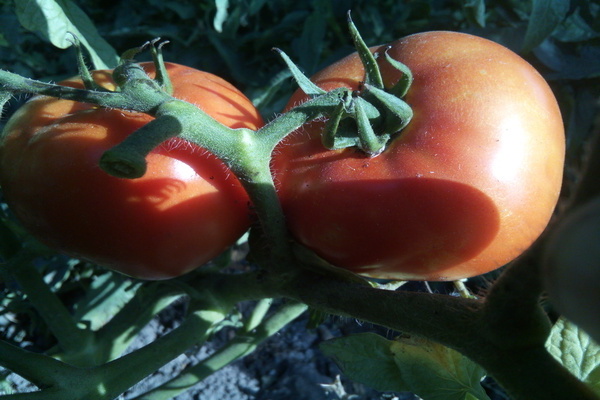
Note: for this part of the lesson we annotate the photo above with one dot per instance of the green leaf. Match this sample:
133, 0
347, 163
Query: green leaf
303, 81
221, 15
58, 20
366, 358
475, 11
569, 62
310, 44
545, 16
576, 351
407, 364
576, 28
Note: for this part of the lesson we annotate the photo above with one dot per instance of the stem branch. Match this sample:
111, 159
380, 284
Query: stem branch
70, 338
38, 369
237, 348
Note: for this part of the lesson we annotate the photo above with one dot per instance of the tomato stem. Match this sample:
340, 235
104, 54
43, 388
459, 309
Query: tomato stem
236, 348
128, 159
70, 338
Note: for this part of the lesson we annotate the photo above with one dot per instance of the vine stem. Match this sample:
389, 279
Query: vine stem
37, 368
139, 364
114, 337
71, 338
523, 367
237, 348
247, 153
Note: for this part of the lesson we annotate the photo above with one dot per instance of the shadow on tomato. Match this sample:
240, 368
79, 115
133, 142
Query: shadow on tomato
410, 228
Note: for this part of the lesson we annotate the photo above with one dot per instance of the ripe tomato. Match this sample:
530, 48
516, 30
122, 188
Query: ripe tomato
185, 210
466, 187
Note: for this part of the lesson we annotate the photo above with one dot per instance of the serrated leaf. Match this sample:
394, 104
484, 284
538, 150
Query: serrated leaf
427, 369
545, 17
366, 358
58, 20
576, 351
437, 372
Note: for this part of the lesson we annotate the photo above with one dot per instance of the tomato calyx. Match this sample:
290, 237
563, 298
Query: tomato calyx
369, 116
129, 71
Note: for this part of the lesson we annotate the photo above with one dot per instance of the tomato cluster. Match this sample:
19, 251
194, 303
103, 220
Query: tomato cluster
466, 187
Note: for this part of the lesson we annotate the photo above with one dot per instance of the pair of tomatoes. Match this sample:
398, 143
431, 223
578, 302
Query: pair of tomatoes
466, 187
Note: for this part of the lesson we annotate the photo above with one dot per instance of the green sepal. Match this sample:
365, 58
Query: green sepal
342, 130
162, 77
129, 54
370, 143
330, 138
5, 96
404, 83
82, 69
127, 68
372, 72
303, 81
342, 135
397, 112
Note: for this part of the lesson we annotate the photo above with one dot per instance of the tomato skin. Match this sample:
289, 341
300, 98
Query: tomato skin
183, 212
466, 187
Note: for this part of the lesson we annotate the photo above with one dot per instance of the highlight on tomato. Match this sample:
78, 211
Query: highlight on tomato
463, 189
183, 212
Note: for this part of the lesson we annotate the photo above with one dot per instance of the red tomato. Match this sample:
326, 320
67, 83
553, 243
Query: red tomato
184, 211
466, 187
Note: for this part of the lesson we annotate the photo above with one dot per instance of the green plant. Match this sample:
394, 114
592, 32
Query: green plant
506, 334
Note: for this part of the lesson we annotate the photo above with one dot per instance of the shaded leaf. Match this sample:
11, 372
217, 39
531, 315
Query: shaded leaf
366, 358
310, 44
430, 370
475, 11
566, 64
575, 29
58, 20
545, 17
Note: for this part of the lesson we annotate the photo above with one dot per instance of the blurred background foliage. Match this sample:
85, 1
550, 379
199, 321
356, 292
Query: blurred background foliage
234, 38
